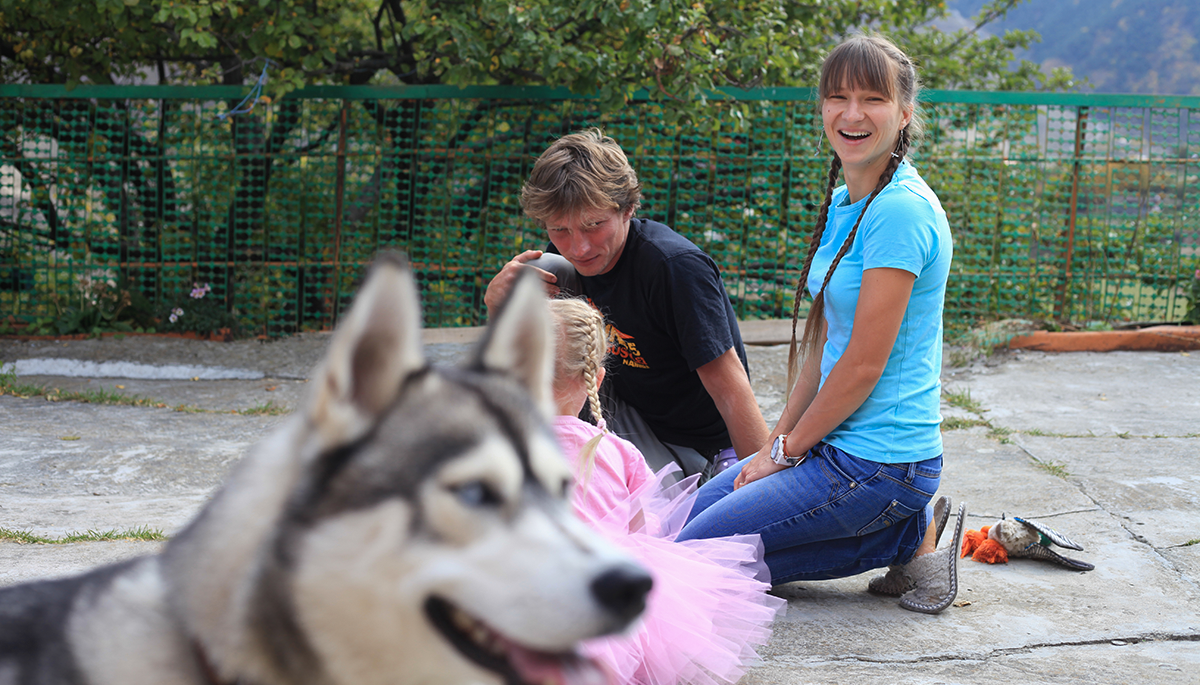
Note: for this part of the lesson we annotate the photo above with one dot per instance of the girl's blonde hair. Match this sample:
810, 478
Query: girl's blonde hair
580, 352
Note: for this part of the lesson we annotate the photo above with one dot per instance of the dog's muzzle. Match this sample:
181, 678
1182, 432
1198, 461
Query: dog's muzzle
622, 591
619, 591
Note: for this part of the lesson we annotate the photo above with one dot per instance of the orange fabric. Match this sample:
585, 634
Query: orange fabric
991, 552
972, 539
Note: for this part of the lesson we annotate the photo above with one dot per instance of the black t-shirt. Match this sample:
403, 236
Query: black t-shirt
668, 314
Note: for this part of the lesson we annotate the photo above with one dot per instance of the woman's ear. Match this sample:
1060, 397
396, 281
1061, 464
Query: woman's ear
600, 376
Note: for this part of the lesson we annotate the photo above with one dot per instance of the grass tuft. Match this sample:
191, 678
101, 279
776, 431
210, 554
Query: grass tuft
962, 400
1051, 467
268, 408
958, 423
1000, 433
142, 533
10, 386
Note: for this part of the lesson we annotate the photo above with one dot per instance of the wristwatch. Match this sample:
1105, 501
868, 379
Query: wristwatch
779, 453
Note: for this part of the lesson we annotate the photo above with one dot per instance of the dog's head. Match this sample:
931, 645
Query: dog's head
430, 538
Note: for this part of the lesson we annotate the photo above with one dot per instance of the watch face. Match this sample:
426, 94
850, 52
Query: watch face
777, 454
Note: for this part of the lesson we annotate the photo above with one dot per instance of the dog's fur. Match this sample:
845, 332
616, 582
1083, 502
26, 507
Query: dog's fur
407, 525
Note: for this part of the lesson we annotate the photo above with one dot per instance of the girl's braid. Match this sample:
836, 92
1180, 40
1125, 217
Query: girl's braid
835, 168
591, 367
816, 317
579, 355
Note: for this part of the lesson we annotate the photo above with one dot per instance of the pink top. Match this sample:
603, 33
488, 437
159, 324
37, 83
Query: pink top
618, 471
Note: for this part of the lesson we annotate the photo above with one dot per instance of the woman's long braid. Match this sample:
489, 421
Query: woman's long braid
835, 168
816, 312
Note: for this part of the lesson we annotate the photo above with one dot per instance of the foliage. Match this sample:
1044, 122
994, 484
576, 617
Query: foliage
971, 59
144, 203
198, 313
97, 305
1192, 316
677, 49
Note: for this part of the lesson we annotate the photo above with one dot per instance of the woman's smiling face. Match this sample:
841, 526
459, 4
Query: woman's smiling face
863, 126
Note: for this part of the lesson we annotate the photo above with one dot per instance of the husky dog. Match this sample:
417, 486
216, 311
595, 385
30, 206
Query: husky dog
407, 525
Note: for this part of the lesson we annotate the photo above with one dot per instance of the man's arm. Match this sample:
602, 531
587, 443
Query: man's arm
726, 382
499, 287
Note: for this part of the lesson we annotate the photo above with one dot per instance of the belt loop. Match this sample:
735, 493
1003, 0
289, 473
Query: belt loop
912, 472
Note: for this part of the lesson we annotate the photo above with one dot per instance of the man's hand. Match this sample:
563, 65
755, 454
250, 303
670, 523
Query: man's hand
759, 466
497, 291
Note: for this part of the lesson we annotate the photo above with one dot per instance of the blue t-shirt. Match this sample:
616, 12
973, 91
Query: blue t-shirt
904, 228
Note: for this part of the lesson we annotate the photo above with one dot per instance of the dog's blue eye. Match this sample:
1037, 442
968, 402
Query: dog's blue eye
477, 494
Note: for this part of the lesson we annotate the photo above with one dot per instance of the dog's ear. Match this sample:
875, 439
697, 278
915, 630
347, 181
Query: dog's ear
520, 341
375, 347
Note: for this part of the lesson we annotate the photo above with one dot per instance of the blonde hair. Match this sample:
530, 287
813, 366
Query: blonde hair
871, 63
580, 351
578, 172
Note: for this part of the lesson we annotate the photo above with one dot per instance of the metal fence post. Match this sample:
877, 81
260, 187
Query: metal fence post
1060, 311
339, 202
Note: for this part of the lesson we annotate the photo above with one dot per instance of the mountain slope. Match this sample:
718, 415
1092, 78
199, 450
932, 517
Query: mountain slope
1120, 46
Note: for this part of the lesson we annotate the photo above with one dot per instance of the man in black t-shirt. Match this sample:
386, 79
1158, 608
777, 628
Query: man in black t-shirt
678, 385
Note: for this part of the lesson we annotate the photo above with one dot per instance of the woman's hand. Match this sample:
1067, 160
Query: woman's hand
759, 466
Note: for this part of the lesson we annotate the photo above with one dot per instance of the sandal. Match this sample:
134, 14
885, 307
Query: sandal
895, 582
935, 575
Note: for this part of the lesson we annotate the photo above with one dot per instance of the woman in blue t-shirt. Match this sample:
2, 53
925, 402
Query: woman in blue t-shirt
844, 485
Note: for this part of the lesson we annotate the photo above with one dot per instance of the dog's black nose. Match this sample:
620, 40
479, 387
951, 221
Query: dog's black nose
622, 590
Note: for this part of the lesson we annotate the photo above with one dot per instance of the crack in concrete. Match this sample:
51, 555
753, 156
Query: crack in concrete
1038, 517
1007, 651
1122, 521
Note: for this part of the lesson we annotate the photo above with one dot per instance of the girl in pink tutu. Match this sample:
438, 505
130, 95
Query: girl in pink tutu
709, 607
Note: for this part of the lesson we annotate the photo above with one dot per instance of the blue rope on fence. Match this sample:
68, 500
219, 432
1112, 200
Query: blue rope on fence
253, 97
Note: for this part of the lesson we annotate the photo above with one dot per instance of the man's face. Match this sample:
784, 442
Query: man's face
592, 240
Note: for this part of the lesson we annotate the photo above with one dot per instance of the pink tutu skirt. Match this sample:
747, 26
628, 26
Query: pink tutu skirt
709, 607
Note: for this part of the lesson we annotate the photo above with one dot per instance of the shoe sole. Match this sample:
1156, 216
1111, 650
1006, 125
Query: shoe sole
941, 514
940, 605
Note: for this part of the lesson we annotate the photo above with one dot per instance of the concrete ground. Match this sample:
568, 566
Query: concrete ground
1102, 446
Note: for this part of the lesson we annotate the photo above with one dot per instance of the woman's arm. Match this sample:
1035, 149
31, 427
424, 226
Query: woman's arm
801, 396
882, 301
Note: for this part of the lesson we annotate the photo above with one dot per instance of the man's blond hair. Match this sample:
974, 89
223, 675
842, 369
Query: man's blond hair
578, 172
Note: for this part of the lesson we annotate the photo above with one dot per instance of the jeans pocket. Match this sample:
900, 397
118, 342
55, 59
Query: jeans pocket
895, 513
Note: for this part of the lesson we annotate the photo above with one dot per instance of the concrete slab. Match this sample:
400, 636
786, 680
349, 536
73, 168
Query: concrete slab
1050, 449
1092, 393
1151, 485
21, 563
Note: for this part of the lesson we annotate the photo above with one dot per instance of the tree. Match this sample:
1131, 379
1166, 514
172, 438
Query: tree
676, 49
679, 51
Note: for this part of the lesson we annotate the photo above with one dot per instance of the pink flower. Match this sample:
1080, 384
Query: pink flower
199, 292
175, 314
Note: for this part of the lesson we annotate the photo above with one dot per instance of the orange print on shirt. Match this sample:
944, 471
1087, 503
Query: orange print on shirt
621, 345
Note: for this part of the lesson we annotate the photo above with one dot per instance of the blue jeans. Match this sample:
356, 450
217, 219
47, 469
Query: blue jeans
834, 515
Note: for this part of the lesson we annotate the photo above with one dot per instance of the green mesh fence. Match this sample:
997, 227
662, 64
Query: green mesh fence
1071, 207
